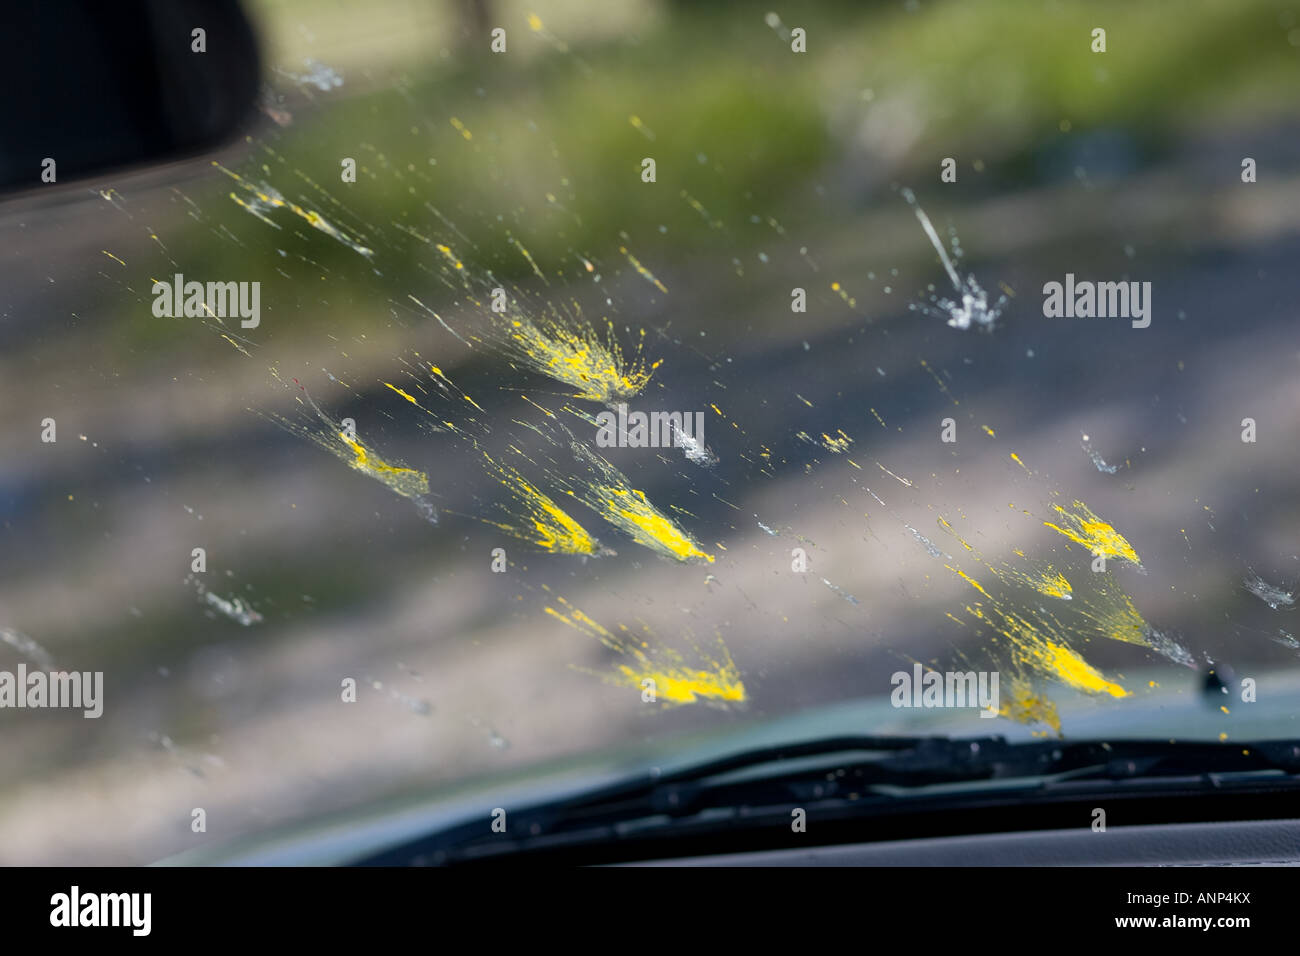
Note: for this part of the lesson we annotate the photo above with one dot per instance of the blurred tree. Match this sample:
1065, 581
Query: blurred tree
476, 15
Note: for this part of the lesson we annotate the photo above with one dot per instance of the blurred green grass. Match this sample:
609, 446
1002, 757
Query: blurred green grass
739, 122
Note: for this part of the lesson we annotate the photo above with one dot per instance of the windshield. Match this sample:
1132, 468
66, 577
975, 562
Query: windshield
545, 388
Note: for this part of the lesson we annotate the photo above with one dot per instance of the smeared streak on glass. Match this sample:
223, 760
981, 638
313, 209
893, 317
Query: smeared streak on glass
407, 482
235, 345
266, 197
841, 592
640, 127
1045, 580
1025, 704
642, 270
969, 580
676, 680
450, 256
438, 373
614, 499
930, 547
943, 387
319, 75
1098, 462
440, 319
699, 208
837, 445
897, 478
234, 607
27, 647
528, 256
1113, 613
1085, 528
461, 128
409, 397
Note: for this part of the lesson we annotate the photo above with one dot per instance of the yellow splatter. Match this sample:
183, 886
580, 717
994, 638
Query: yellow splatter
1073, 670
947, 526
642, 270
943, 387
1038, 643
839, 290
407, 482
628, 509
523, 251
461, 128
1115, 616
676, 683
542, 523
969, 580
838, 445
640, 127
266, 197
666, 672
438, 373
575, 354
408, 396
236, 345
1085, 528
1025, 704
1053, 584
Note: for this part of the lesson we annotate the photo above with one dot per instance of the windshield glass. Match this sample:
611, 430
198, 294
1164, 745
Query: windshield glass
567, 386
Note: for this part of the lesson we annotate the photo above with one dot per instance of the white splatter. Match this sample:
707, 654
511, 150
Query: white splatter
27, 647
1272, 595
974, 305
1097, 460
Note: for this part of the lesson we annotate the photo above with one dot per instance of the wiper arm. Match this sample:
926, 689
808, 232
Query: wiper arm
871, 769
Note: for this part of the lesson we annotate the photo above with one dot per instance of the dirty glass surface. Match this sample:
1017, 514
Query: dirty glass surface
653, 376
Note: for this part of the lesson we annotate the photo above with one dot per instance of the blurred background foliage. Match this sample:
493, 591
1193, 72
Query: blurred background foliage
744, 125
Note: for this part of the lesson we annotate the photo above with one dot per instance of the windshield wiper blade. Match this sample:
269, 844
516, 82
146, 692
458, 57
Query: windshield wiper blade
878, 767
